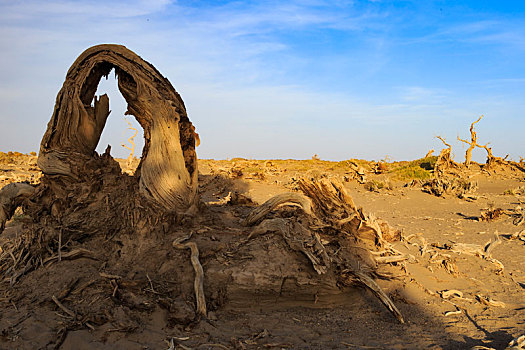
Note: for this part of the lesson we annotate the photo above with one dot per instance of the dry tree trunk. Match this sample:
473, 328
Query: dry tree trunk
168, 169
472, 144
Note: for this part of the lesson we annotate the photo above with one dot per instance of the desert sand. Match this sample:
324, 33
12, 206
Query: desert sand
130, 292
168, 251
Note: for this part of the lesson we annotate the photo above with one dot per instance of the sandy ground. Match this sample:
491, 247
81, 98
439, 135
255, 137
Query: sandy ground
488, 308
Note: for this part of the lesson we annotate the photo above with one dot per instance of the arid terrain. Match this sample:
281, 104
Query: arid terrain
457, 275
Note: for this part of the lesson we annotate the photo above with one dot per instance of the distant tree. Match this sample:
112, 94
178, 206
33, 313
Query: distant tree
472, 143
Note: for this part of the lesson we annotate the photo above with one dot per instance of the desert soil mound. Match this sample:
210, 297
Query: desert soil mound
103, 272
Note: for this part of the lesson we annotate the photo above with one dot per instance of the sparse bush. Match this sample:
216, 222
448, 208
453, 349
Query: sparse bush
455, 186
417, 169
376, 185
516, 191
5, 158
10, 157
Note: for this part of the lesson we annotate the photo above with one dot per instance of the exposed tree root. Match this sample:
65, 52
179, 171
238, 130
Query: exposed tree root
334, 219
74, 254
358, 172
261, 211
63, 308
484, 252
199, 274
299, 238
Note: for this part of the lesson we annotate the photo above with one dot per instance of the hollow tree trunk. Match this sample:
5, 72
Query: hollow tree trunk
168, 169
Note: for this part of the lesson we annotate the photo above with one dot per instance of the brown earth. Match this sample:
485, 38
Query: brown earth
136, 292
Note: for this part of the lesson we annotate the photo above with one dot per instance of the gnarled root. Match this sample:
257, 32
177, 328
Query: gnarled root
199, 274
11, 197
333, 217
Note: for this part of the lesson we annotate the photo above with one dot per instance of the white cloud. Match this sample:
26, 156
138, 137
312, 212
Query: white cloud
24, 10
421, 94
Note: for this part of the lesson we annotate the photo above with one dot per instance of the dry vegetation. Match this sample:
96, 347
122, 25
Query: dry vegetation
169, 252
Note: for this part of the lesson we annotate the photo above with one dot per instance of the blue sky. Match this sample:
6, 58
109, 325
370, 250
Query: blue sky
274, 79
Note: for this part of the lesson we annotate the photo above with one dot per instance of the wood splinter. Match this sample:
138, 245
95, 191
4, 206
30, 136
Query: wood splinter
199, 273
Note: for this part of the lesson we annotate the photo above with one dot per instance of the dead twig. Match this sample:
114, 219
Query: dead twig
63, 308
74, 254
109, 276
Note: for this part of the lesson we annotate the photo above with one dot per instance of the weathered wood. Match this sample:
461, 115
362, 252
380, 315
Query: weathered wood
168, 169
298, 238
329, 197
333, 218
444, 160
472, 143
290, 197
198, 284
11, 197
491, 159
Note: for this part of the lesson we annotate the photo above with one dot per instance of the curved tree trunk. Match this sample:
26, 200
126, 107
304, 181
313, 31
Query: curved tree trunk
168, 169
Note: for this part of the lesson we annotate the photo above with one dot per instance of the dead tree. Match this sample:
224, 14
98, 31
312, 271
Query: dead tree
444, 160
167, 172
353, 241
472, 144
491, 159
132, 143
84, 196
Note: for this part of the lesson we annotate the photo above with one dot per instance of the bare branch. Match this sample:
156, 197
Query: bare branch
443, 140
472, 143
